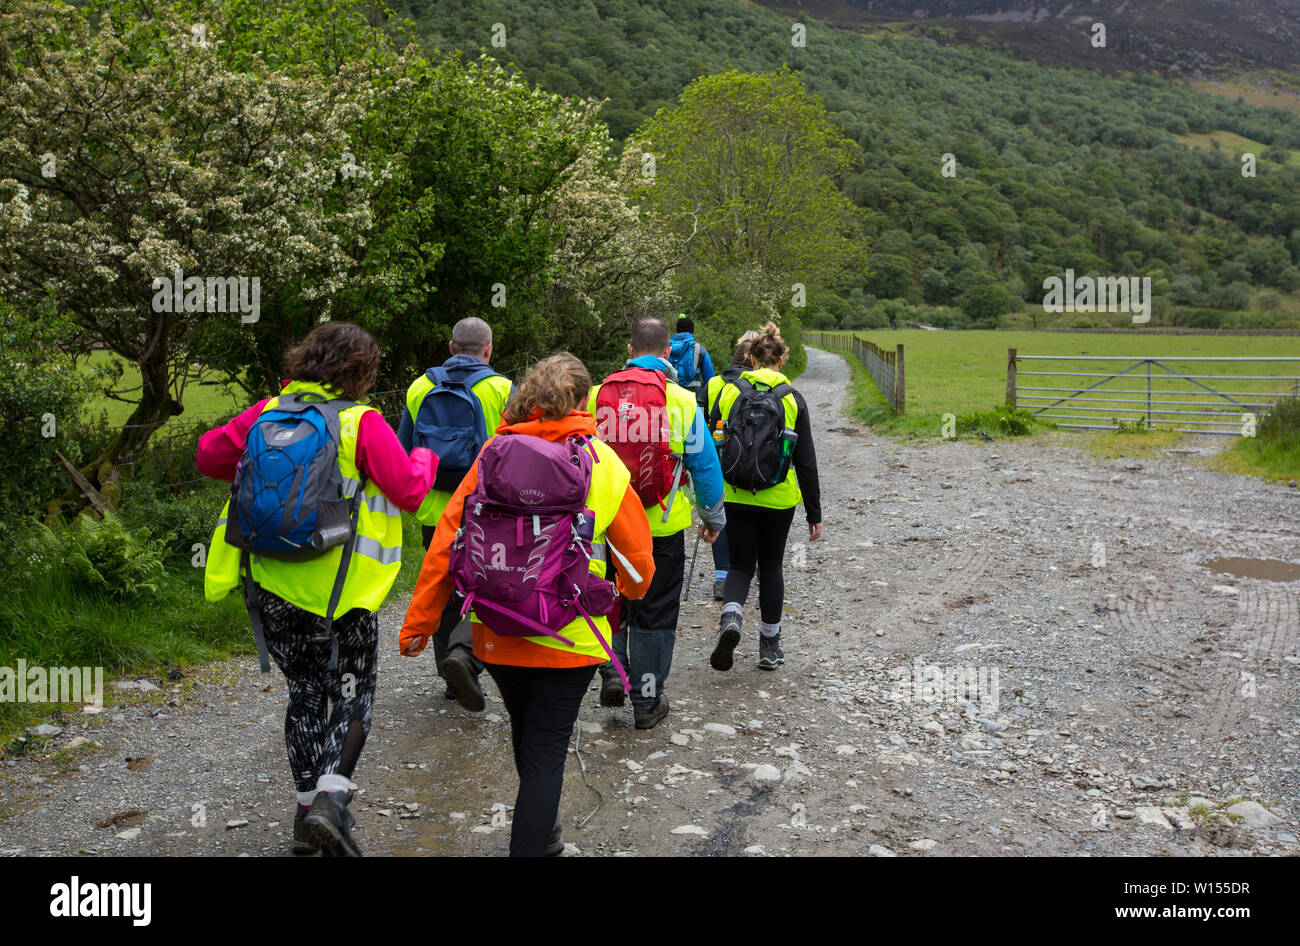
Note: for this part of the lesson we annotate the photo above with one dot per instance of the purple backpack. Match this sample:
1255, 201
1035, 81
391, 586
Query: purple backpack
521, 557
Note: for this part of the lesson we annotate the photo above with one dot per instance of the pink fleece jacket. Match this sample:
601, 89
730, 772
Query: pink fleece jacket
405, 480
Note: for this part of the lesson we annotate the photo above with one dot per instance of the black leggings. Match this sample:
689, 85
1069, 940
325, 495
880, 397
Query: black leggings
323, 739
756, 539
543, 705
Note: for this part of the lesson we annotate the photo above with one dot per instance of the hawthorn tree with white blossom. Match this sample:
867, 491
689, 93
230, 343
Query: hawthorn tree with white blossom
130, 151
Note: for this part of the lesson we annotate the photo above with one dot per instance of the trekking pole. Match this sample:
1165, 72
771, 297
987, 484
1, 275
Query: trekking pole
691, 573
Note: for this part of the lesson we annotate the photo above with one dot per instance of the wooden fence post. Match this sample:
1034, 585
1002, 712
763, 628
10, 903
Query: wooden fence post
1011, 376
900, 383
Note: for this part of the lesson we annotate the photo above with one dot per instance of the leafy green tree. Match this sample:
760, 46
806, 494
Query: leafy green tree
133, 151
744, 175
985, 304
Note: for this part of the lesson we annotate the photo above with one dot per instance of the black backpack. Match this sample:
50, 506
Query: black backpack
756, 446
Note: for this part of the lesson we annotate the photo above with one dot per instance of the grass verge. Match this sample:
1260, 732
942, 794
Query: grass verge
868, 406
53, 622
1274, 452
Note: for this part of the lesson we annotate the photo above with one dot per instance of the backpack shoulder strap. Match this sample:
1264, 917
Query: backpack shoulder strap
330, 408
437, 374
715, 411
698, 349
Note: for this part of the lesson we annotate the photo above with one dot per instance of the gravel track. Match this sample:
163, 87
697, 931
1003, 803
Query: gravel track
1138, 694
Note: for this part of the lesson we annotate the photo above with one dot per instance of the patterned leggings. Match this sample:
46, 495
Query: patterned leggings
322, 740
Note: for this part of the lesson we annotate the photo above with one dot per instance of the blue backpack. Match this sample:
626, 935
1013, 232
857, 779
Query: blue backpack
289, 500
450, 421
684, 356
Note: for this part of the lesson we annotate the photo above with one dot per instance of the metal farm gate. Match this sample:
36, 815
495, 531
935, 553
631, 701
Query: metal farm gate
1150, 391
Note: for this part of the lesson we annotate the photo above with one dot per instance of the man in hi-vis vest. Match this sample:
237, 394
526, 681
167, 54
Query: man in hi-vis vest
660, 433
450, 431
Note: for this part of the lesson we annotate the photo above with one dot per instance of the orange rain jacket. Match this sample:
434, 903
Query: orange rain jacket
629, 533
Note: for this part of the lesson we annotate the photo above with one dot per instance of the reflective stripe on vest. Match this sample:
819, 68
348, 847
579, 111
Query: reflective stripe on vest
786, 494
379, 503
371, 549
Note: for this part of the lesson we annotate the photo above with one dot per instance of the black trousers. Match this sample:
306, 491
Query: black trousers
756, 536
543, 705
453, 630
663, 601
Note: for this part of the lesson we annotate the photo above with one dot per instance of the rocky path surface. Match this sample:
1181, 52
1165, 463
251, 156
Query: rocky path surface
1003, 648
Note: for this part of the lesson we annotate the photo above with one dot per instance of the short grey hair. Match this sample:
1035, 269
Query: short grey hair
471, 336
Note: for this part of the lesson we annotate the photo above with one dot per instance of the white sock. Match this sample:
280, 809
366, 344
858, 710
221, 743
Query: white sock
771, 630
333, 783
306, 798
731, 606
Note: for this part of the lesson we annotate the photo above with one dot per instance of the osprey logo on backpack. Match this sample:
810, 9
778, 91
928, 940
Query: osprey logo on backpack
450, 420
757, 447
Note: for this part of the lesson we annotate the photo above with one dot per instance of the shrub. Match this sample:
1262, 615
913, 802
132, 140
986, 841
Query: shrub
1282, 423
42, 397
177, 519
1005, 421
103, 555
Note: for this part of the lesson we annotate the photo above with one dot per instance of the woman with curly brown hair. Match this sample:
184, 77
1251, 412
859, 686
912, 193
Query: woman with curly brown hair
293, 601
542, 678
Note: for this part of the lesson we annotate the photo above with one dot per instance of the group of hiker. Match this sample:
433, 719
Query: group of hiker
554, 515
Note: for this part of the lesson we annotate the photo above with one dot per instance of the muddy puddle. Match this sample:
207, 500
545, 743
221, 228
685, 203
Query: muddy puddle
1269, 569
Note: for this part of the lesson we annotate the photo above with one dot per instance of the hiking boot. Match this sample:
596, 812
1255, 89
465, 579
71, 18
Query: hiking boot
555, 846
728, 638
331, 824
649, 719
718, 585
770, 655
304, 844
611, 687
461, 670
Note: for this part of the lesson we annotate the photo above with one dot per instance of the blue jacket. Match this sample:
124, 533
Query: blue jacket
702, 464
686, 341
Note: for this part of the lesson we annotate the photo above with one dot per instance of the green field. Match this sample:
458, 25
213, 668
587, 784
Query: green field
202, 401
1230, 143
964, 372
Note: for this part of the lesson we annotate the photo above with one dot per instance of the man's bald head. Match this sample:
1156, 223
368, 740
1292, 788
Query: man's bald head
650, 336
471, 336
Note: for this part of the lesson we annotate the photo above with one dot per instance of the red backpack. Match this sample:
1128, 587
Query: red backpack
632, 417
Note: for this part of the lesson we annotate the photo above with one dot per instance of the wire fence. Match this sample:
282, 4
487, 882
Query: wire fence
167, 468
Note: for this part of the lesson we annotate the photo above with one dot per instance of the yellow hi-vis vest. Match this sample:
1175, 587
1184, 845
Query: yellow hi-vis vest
786, 494
681, 415
376, 555
609, 480
492, 393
